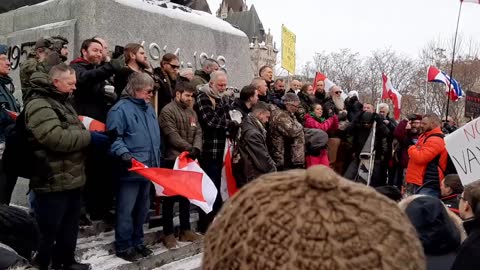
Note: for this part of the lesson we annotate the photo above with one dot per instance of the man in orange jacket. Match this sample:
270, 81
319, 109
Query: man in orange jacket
428, 159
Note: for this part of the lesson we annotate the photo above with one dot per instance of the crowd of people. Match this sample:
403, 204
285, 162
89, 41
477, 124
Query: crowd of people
154, 114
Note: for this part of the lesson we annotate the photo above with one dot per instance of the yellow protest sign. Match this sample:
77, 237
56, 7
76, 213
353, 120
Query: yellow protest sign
288, 50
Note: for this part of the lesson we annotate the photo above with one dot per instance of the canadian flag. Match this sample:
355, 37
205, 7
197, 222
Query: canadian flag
228, 185
391, 93
186, 179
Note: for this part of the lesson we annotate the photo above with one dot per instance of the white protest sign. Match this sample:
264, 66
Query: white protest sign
463, 146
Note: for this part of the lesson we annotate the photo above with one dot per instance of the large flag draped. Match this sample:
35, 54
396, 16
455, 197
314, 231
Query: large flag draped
186, 179
389, 92
436, 75
228, 185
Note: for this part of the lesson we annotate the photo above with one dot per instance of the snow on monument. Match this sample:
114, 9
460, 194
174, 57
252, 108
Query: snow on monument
160, 25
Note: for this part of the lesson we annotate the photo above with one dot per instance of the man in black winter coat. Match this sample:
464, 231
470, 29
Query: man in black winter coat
252, 148
165, 78
89, 96
469, 252
92, 73
136, 61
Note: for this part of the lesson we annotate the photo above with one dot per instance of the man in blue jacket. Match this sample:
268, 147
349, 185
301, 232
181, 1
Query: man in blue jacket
135, 120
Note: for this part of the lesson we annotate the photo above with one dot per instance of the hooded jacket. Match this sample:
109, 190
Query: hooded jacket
437, 228
428, 160
58, 137
201, 77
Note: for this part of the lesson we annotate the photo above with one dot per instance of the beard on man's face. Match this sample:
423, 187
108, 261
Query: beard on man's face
339, 103
142, 64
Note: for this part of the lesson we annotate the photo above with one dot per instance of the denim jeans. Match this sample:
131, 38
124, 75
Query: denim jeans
429, 191
414, 189
132, 210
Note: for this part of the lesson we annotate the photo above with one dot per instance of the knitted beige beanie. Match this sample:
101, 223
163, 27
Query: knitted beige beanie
311, 219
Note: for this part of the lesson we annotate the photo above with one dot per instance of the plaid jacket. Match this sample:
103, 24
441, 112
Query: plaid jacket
214, 120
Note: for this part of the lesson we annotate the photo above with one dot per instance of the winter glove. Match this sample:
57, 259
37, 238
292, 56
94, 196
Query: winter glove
98, 139
194, 153
109, 97
126, 159
112, 135
118, 63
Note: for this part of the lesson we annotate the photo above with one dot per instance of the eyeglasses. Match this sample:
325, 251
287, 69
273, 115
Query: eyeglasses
174, 66
460, 197
150, 91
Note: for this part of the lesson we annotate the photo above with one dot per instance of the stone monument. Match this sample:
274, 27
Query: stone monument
160, 25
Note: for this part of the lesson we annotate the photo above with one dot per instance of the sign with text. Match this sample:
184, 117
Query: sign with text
472, 104
288, 50
463, 146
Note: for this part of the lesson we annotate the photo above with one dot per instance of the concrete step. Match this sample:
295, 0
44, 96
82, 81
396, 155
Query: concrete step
101, 260
98, 249
190, 263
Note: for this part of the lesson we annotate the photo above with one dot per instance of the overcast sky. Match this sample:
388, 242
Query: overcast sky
328, 25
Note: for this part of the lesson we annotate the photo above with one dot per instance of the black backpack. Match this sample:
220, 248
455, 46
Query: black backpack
450, 169
18, 156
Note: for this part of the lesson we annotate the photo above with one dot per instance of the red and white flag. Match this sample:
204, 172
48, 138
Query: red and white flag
228, 186
89, 123
328, 83
391, 93
12, 114
92, 124
321, 77
186, 179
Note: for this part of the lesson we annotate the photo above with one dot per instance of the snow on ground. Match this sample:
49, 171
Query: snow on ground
190, 263
196, 17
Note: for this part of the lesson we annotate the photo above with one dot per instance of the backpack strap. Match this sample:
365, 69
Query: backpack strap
440, 135
437, 158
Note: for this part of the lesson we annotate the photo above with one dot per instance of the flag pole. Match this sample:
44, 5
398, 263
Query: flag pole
453, 60
426, 91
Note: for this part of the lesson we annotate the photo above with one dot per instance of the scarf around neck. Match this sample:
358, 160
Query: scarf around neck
318, 119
